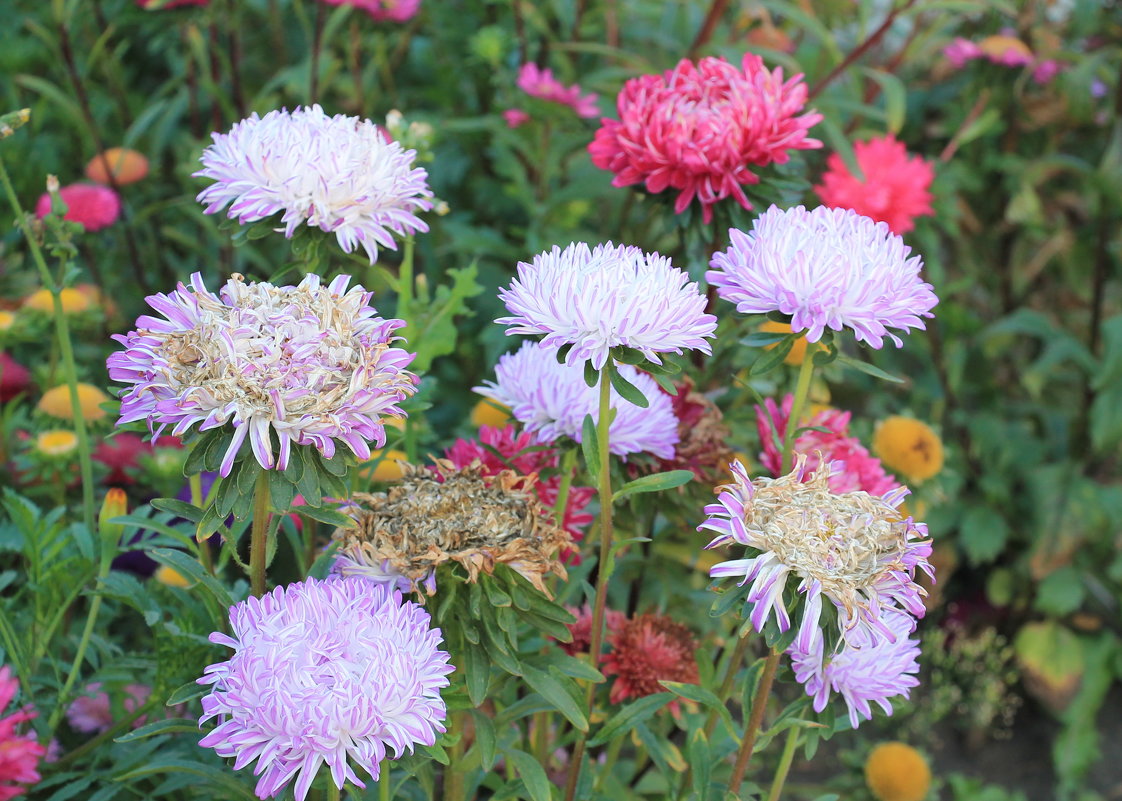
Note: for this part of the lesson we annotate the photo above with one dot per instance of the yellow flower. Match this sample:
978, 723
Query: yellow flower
128, 166
897, 772
56, 402
171, 577
73, 301
797, 353
910, 447
388, 469
998, 46
56, 442
7, 320
489, 413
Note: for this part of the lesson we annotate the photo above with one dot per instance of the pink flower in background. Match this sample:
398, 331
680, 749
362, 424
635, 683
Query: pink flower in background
515, 117
383, 10
541, 84
92, 713
95, 207
895, 188
699, 128
1047, 69
1004, 49
19, 753
581, 630
854, 467
164, 4
960, 50
647, 650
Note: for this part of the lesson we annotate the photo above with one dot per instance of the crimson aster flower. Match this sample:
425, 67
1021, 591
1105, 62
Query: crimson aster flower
895, 189
614, 620
19, 753
94, 206
854, 549
334, 672
605, 297
383, 10
339, 174
827, 268
647, 650
306, 364
699, 129
552, 399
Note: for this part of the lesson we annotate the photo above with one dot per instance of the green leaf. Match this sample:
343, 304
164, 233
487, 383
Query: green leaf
701, 760
700, 695
167, 726
631, 716
591, 374
770, 359
982, 533
191, 569
569, 665
868, 369
221, 778
560, 691
654, 483
1061, 592
759, 339
628, 391
324, 515
187, 511
185, 693
532, 774
485, 739
591, 447
477, 673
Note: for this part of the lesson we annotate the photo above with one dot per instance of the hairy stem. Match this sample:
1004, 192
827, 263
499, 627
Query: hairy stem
755, 719
259, 534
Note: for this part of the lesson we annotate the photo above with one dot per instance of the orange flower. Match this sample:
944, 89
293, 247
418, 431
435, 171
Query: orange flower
127, 166
73, 301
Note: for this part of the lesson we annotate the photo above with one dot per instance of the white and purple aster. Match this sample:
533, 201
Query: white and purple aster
863, 671
306, 364
852, 548
323, 672
340, 174
606, 297
551, 400
827, 268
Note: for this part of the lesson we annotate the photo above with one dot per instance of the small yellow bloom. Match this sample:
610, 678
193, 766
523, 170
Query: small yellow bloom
797, 353
910, 447
171, 577
56, 442
7, 320
56, 402
897, 772
998, 46
389, 468
73, 301
489, 413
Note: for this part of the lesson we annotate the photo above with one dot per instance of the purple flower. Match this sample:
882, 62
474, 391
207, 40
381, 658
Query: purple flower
552, 399
92, 714
607, 297
323, 671
827, 268
302, 364
864, 671
337, 174
852, 548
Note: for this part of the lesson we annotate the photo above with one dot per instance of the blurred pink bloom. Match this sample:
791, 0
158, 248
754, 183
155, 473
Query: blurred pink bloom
1047, 69
383, 10
95, 207
894, 189
541, 84
1004, 49
19, 753
164, 4
699, 128
959, 51
515, 117
92, 713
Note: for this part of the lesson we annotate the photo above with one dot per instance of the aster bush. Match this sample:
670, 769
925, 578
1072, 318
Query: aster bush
490, 401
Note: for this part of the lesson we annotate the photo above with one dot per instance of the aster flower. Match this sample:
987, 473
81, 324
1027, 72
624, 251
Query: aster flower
515, 117
465, 516
646, 650
854, 549
606, 297
866, 670
827, 268
14, 378
339, 174
699, 129
551, 400
304, 365
581, 630
895, 189
126, 166
91, 713
334, 672
95, 207
19, 753
383, 10
897, 772
541, 84
854, 468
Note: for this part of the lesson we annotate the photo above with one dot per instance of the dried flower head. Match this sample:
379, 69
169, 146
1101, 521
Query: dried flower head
334, 672
19, 753
95, 207
303, 364
897, 772
339, 174
827, 268
551, 400
854, 549
605, 297
451, 515
895, 189
646, 650
700, 128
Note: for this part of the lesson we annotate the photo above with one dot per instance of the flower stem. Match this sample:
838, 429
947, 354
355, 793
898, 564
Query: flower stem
453, 772
334, 792
603, 567
568, 458
259, 534
802, 390
384, 781
755, 719
784, 764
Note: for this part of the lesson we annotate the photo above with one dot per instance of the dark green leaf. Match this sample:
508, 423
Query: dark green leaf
532, 774
654, 483
591, 447
324, 515
770, 359
191, 569
868, 369
178, 508
628, 391
167, 726
630, 716
187, 692
477, 673
560, 691
591, 374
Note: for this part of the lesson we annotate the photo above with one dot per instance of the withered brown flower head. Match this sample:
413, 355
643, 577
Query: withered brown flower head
648, 649
453, 514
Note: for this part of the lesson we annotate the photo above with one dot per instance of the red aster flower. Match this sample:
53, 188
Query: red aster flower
648, 649
894, 190
121, 454
14, 377
582, 629
94, 206
699, 128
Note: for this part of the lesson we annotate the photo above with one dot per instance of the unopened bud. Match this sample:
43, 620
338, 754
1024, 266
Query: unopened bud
116, 504
13, 120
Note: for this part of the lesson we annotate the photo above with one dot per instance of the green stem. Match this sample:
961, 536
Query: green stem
405, 312
784, 764
384, 782
259, 534
802, 390
567, 461
196, 483
755, 719
603, 567
453, 772
334, 793
62, 330
612, 756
